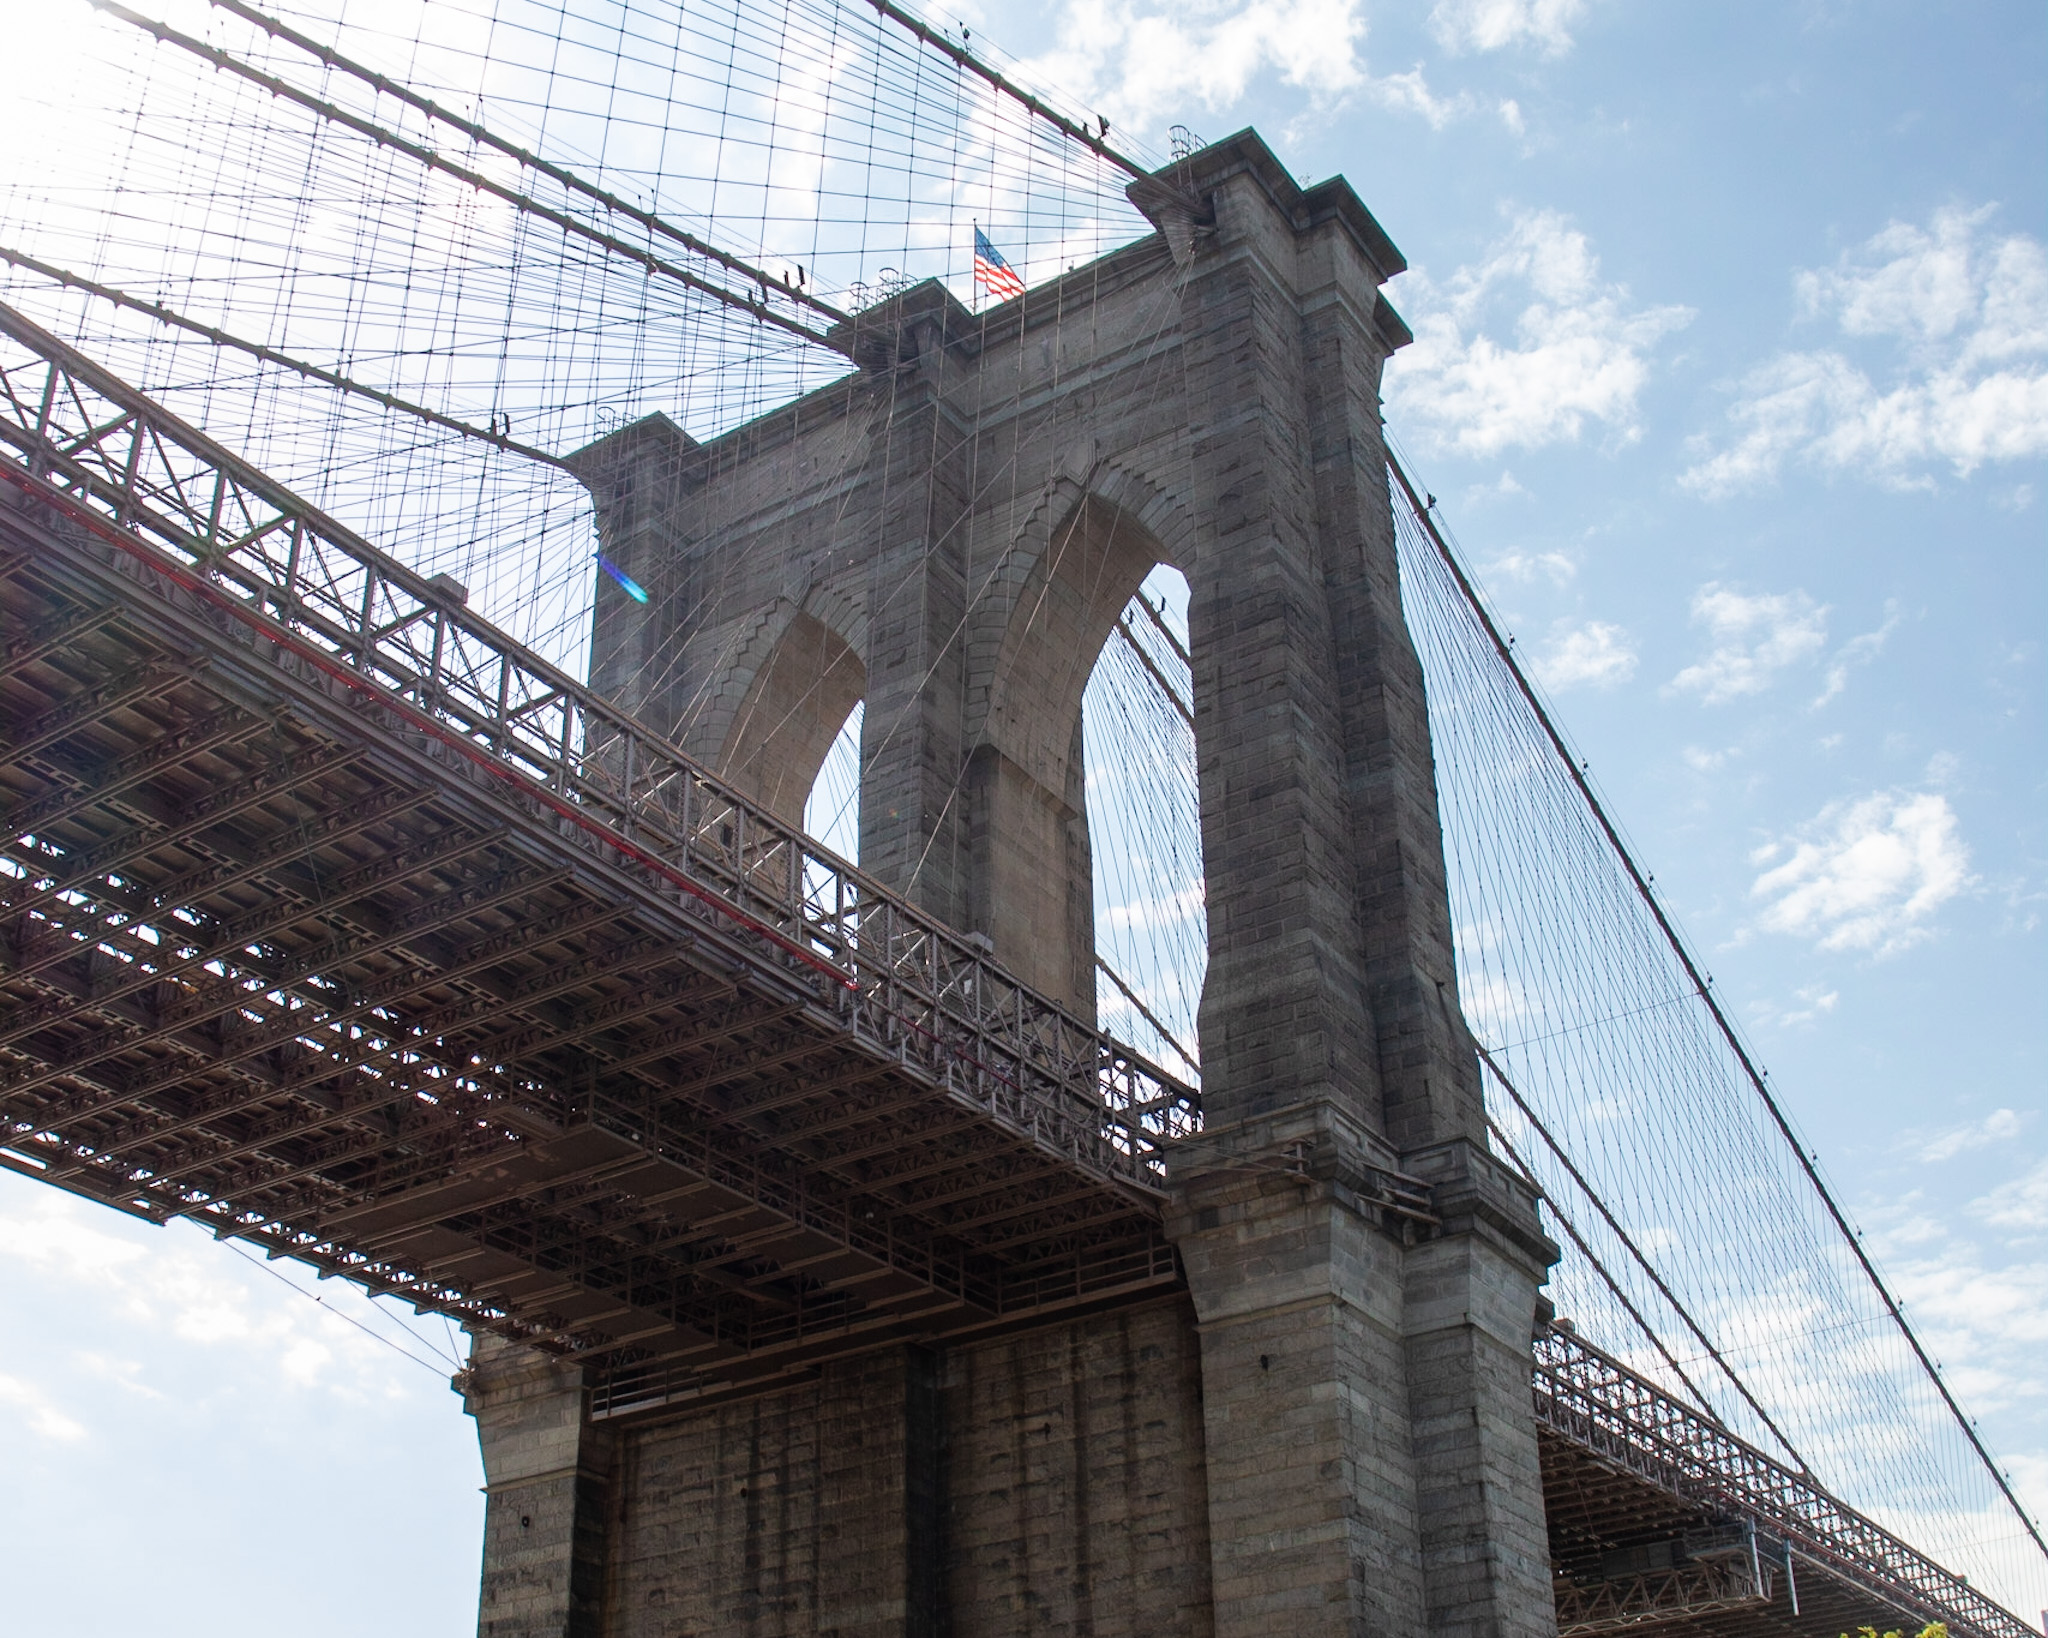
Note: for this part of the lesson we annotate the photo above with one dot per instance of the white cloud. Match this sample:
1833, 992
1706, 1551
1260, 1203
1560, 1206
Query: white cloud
1976, 1313
1754, 639
1556, 567
1814, 1000
1965, 317
1865, 875
207, 1299
2020, 1205
1144, 64
1172, 910
43, 1418
1409, 93
1856, 651
1579, 353
1595, 654
1491, 25
1997, 1127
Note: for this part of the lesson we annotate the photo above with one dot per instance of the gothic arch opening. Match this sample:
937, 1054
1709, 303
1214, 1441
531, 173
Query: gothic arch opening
832, 810
1144, 828
794, 711
1031, 877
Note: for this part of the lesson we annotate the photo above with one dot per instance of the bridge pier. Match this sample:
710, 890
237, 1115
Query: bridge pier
882, 1343
993, 1489
1371, 1461
950, 534
547, 1476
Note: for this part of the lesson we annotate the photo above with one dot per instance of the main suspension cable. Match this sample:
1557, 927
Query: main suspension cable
560, 174
754, 307
1092, 141
1627, 1240
1424, 514
163, 314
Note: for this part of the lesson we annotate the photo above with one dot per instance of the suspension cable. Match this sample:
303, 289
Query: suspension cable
270, 355
1145, 1012
1090, 140
1629, 1245
756, 308
1424, 515
560, 174
1613, 1285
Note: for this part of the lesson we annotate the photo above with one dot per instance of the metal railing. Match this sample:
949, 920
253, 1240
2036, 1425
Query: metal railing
78, 439
1599, 1404
1655, 1596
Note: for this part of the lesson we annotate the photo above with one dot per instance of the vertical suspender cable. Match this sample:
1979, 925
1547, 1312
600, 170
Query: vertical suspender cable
1721, 1020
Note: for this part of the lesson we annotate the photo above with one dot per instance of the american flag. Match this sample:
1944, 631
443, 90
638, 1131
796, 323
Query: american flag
991, 272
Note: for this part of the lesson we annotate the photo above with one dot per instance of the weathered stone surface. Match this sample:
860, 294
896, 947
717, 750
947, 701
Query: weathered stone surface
1047, 1482
546, 1475
1331, 1434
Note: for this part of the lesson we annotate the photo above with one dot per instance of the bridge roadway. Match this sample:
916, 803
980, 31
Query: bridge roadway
337, 922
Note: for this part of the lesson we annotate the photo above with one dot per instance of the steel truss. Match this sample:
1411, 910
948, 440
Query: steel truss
910, 985
334, 920
338, 921
1632, 1427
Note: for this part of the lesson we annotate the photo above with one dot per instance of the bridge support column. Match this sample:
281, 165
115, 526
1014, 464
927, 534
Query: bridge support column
1364, 1274
546, 1476
1311, 1470
1372, 1462
1469, 1307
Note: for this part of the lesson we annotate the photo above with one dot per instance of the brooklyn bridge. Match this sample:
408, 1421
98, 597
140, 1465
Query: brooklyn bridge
900, 1245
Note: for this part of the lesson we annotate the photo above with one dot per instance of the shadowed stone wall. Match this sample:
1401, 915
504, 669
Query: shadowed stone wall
1331, 1433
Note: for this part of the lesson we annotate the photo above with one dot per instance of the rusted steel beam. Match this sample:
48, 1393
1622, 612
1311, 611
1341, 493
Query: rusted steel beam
230, 939
807, 1089
845, 1112
89, 704
22, 652
418, 1038
280, 779
923, 990
91, 788
204, 1002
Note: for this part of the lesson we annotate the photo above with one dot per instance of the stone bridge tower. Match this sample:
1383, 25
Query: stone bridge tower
1329, 1431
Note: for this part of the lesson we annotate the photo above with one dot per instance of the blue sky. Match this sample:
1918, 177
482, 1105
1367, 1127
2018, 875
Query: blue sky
1732, 328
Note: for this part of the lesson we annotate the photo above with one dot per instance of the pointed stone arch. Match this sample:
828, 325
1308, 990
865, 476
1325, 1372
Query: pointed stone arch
798, 697
1030, 871
991, 487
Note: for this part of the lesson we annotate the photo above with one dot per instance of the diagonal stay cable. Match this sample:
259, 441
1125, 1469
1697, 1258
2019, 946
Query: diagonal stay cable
755, 308
1146, 1012
1629, 1245
559, 174
1009, 88
1613, 1285
1179, 705
270, 355
346, 1319
1422, 513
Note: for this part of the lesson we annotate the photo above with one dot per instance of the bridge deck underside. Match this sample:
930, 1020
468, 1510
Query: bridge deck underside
266, 965
1608, 1531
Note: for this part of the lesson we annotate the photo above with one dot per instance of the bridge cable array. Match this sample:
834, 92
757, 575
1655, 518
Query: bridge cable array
490, 241
1620, 1082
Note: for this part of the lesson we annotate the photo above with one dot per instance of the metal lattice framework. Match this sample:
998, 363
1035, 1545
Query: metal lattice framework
1601, 1408
340, 923
340, 919
902, 981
